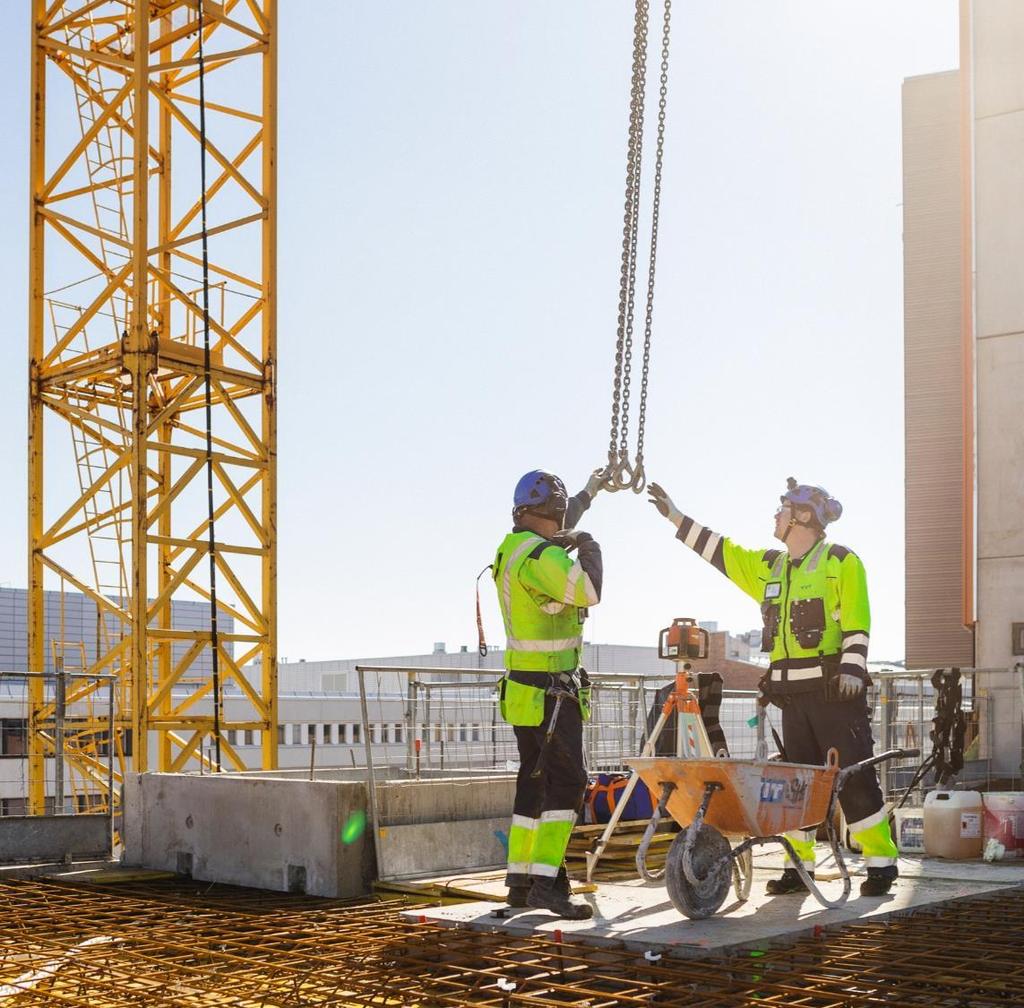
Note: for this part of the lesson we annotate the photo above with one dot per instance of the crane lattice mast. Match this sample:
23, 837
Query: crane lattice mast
120, 308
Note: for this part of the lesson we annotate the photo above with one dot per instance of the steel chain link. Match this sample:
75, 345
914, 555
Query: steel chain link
639, 478
619, 474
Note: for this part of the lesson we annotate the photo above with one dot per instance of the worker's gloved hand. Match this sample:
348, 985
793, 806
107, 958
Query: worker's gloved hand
595, 483
850, 685
570, 538
663, 503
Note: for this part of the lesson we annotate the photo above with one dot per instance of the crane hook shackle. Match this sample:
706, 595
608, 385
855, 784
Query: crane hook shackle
619, 474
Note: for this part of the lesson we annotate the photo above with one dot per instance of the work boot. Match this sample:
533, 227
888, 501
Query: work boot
789, 882
879, 880
517, 895
547, 894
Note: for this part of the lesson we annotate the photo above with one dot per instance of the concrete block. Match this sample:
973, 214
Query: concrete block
271, 834
428, 848
54, 838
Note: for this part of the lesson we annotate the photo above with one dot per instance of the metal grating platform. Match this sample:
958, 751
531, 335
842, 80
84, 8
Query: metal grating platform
185, 944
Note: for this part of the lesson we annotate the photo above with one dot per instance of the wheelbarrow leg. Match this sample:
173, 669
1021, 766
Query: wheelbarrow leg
667, 788
742, 874
836, 852
606, 834
694, 828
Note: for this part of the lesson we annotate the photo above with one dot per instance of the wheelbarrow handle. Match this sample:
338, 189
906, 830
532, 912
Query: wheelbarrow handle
880, 758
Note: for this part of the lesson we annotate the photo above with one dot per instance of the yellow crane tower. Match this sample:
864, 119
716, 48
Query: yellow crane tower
152, 335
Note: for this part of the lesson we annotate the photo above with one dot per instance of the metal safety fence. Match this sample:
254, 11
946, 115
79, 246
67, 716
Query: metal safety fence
431, 722
902, 706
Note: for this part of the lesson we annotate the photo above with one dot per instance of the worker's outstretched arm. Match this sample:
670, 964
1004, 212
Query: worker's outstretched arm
579, 503
745, 568
550, 571
854, 613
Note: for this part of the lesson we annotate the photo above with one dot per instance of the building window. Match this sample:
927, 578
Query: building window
310, 734
398, 733
13, 738
342, 735
248, 737
327, 735
280, 735
13, 806
476, 733
357, 734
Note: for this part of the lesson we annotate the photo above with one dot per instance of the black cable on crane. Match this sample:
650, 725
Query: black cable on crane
212, 542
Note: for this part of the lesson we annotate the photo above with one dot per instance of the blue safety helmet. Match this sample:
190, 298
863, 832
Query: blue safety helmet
825, 507
541, 492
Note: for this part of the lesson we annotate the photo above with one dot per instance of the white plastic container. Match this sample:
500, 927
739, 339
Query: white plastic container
953, 824
909, 826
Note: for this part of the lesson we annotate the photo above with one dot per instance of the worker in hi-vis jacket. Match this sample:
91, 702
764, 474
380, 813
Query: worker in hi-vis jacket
814, 605
544, 595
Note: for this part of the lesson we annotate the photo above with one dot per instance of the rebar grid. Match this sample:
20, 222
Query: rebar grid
187, 944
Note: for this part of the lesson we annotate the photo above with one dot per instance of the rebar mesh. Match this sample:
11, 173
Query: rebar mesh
187, 944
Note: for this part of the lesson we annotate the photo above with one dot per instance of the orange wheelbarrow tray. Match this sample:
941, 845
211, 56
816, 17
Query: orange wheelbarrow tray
754, 801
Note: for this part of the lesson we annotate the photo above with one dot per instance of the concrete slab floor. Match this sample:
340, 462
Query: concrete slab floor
640, 916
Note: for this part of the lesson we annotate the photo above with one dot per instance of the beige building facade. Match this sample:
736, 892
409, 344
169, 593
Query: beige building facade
963, 145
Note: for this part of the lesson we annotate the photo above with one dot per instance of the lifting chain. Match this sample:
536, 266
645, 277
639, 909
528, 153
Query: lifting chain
620, 474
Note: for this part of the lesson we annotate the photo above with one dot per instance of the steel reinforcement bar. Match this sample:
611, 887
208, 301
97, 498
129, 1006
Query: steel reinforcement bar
188, 944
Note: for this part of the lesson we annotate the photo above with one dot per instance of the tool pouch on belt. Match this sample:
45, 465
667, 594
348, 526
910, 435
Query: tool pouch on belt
522, 703
584, 693
770, 618
768, 692
807, 621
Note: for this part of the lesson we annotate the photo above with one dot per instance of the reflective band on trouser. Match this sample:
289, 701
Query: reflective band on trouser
803, 844
876, 844
521, 835
550, 841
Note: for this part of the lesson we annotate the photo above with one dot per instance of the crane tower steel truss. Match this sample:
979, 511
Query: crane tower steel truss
116, 337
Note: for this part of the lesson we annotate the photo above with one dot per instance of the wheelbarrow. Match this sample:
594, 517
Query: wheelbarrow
755, 802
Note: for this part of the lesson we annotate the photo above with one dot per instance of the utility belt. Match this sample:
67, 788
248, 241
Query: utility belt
781, 682
522, 695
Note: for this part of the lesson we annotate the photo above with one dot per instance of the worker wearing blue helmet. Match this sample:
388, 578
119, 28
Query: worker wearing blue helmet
814, 606
544, 595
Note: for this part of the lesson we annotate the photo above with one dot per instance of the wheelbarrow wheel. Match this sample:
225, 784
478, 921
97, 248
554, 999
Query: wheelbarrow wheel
710, 865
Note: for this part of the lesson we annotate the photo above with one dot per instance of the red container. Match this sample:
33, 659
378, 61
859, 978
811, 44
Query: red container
1004, 820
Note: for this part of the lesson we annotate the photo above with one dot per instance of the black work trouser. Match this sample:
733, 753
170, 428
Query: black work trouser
544, 804
811, 725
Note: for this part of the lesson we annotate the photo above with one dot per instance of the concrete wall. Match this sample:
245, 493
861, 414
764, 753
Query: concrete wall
997, 44
933, 373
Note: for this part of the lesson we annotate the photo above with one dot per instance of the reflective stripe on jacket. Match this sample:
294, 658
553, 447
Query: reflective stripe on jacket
543, 594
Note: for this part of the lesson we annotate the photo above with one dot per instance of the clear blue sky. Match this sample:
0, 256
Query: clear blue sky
451, 180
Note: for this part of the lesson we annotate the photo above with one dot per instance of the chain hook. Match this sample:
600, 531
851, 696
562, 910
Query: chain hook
618, 474
639, 481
